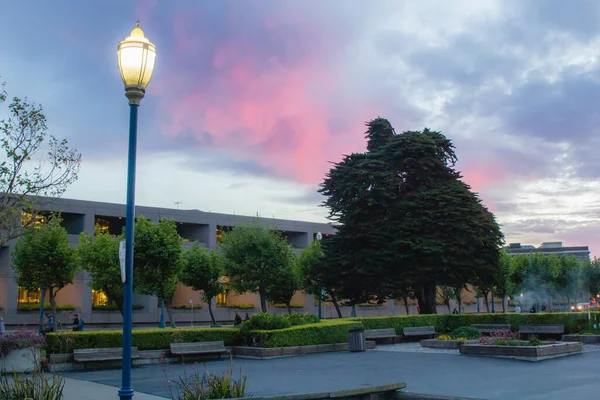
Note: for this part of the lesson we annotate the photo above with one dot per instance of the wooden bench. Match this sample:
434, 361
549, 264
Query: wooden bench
545, 330
102, 354
491, 328
381, 335
428, 331
199, 348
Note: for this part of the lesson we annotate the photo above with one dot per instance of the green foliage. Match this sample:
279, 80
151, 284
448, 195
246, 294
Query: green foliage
266, 321
591, 273
34, 163
100, 257
208, 386
28, 307
445, 323
324, 332
288, 282
406, 220
36, 386
255, 259
240, 306
114, 307
301, 319
44, 259
313, 277
143, 339
466, 332
202, 271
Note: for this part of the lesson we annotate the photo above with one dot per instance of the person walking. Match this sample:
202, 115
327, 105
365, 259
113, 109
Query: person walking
2, 327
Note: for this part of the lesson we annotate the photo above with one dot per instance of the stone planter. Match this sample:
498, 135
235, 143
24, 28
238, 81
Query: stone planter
445, 344
526, 353
21, 360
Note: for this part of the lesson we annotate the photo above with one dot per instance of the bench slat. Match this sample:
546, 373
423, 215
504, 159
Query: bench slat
198, 348
419, 331
490, 328
102, 354
380, 333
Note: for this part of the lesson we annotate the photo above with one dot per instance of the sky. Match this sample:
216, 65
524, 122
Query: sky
251, 101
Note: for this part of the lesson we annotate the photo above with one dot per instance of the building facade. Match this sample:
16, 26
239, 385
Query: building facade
556, 248
205, 228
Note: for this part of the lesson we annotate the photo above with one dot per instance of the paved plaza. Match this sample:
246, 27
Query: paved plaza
424, 370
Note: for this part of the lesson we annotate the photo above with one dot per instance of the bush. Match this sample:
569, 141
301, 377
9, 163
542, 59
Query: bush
240, 306
266, 321
143, 339
466, 332
27, 307
20, 340
35, 386
279, 305
113, 307
185, 307
325, 332
573, 322
301, 319
209, 386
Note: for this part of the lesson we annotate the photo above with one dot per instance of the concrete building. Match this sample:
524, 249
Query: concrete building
206, 228
557, 248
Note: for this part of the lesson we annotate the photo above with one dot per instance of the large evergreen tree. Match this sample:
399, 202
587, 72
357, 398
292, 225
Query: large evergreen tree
406, 219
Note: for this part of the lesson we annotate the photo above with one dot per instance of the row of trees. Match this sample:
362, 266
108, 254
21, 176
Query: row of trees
254, 259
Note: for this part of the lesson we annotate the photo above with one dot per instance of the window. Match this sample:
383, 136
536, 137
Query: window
220, 230
221, 299
102, 225
28, 296
30, 220
99, 298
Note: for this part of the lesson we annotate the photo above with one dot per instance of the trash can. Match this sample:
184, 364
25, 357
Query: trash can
356, 340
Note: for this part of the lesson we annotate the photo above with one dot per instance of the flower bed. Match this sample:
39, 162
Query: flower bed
522, 350
20, 351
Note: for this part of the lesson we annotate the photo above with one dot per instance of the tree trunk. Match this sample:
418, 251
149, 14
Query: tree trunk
170, 313
426, 296
405, 298
503, 305
53, 304
447, 302
210, 311
263, 302
487, 302
459, 301
289, 307
336, 305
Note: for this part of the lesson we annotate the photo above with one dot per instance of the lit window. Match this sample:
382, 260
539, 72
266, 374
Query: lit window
220, 231
102, 225
99, 298
28, 296
221, 299
30, 220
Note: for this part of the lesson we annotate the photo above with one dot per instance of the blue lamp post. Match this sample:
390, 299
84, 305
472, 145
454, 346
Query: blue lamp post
319, 306
136, 56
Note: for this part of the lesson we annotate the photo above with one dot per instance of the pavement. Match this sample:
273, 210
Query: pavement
428, 372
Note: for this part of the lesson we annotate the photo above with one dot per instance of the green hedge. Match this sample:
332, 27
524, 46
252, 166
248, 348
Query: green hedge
29, 307
147, 339
573, 322
324, 332
113, 307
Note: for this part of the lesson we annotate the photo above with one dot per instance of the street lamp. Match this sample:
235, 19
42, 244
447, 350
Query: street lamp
136, 56
319, 237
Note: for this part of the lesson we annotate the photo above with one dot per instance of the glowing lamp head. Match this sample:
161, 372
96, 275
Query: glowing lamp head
319, 236
136, 56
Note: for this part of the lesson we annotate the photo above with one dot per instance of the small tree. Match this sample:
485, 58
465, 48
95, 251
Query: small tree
592, 277
446, 293
100, 257
34, 164
288, 282
157, 260
202, 271
254, 257
43, 259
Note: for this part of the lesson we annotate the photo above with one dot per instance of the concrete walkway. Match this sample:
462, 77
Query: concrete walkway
76, 389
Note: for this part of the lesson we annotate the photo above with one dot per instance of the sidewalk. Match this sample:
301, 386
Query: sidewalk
84, 390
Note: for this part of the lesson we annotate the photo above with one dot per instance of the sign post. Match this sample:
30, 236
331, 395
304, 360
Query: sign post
192, 303
122, 260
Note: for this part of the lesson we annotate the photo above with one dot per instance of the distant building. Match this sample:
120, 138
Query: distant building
581, 252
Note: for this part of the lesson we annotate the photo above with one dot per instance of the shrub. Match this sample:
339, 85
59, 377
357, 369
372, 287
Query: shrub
278, 305
325, 332
240, 306
573, 322
209, 386
301, 319
27, 307
466, 332
185, 307
35, 386
113, 307
20, 340
267, 322
143, 339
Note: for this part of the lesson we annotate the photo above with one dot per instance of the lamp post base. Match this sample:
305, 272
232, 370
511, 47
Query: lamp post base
126, 394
